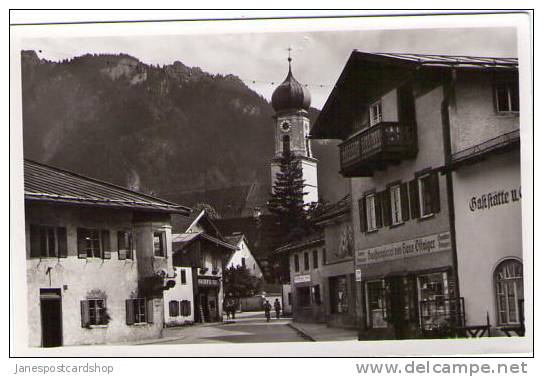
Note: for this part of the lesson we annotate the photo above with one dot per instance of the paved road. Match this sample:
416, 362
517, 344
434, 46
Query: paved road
251, 329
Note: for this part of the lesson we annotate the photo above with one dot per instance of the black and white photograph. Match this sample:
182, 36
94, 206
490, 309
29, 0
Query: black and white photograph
361, 184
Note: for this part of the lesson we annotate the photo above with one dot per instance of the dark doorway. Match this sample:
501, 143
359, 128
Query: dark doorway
51, 317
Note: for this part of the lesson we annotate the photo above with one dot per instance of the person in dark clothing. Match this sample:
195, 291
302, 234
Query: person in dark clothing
267, 310
277, 307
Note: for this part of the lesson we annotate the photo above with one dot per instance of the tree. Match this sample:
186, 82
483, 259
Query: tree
210, 211
239, 282
287, 196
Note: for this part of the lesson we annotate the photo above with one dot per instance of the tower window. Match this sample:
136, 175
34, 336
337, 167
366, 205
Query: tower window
286, 144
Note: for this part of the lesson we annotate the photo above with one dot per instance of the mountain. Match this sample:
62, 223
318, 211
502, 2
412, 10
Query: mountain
172, 131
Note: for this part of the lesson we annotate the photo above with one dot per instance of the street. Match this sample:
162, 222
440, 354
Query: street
246, 328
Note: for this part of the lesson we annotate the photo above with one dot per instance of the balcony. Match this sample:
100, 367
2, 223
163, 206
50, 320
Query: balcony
376, 147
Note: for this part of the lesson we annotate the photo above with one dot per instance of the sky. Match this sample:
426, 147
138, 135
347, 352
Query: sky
260, 59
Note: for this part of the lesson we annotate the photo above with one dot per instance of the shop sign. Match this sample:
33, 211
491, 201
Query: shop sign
405, 249
302, 279
358, 274
494, 199
208, 282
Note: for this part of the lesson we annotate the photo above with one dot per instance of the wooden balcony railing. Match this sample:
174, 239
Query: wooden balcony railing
375, 147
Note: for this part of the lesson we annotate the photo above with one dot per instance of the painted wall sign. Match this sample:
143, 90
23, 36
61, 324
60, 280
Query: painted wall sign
207, 282
494, 199
302, 279
405, 249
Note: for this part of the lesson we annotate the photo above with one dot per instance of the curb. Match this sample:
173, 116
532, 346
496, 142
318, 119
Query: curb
300, 332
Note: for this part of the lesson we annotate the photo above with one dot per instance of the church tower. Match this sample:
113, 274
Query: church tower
291, 101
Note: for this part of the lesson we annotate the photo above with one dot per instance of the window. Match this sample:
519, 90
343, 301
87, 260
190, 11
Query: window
315, 259
371, 222
185, 308
395, 205
173, 308
125, 245
243, 262
317, 294
286, 144
289, 298
306, 261
509, 292
159, 243
138, 310
93, 312
303, 296
48, 242
376, 114
507, 97
323, 256
296, 263
183, 276
93, 243
428, 185
215, 263
376, 304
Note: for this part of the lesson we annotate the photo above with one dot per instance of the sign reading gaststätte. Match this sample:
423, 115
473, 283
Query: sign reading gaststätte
404, 249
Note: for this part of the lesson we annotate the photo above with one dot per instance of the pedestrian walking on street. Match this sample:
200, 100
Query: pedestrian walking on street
277, 307
267, 310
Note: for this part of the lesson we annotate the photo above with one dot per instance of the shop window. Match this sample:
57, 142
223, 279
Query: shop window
183, 276
306, 261
317, 294
509, 292
173, 308
296, 263
48, 242
315, 259
159, 243
125, 245
93, 243
376, 113
303, 296
376, 304
435, 306
339, 301
93, 312
139, 310
507, 97
185, 308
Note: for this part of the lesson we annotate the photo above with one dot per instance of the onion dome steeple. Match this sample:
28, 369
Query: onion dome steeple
290, 95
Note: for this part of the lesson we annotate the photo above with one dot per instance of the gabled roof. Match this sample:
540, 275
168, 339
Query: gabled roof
182, 240
394, 66
44, 183
234, 239
333, 210
312, 240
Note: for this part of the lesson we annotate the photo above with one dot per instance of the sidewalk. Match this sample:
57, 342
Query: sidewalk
318, 332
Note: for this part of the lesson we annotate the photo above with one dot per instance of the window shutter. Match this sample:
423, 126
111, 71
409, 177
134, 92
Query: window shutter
149, 311
122, 247
106, 244
414, 198
35, 241
387, 207
81, 244
378, 198
129, 312
85, 320
131, 246
62, 242
404, 198
362, 214
183, 277
434, 184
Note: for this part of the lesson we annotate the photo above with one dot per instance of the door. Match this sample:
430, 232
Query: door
51, 317
213, 306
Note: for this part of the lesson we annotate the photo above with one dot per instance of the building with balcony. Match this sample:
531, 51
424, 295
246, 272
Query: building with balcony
201, 249
388, 110
98, 257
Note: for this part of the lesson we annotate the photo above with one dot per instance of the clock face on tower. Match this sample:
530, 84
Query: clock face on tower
285, 126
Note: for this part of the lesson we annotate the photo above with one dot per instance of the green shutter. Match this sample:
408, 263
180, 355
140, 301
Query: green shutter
149, 311
434, 185
362, 214
106, 244
129, 312
121, 245
404, 197
414, 198
85, 320
62, 242
387, 208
